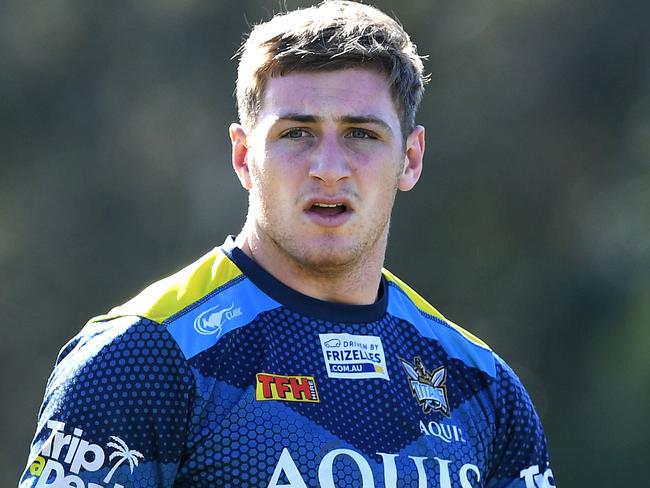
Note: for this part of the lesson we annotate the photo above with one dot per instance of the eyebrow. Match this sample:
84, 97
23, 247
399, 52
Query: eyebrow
348, 119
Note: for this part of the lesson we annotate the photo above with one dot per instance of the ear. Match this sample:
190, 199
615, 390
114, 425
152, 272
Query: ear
412, 159
240, 154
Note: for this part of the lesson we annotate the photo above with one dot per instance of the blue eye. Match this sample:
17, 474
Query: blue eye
296, 133
360, 134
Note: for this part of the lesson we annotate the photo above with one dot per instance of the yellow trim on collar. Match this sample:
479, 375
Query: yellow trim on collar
426, 307
170, 295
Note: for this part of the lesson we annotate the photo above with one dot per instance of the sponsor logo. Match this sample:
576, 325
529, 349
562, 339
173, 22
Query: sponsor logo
427, 387
353, 356
287, 388
69, 453
211, 321
287, 473
535, 479
332, 343
445, 432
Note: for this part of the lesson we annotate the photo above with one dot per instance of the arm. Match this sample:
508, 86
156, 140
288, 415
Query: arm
521, 457
115, 411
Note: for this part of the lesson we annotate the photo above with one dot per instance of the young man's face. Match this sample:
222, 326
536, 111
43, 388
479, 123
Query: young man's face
323, 165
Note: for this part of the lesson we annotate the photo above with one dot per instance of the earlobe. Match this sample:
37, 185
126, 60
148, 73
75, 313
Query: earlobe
412, 159
239, 143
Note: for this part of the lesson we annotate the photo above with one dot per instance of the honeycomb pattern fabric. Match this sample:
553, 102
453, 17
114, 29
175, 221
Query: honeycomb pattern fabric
291, 398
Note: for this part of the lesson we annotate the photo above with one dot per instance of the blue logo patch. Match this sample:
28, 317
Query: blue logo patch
203, 326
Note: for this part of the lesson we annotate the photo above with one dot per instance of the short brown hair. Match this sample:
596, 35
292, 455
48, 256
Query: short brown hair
335, 34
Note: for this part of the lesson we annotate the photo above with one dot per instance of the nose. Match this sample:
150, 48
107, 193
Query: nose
329, 162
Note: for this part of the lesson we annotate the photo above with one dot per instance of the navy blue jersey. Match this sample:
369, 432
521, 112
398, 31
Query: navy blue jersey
220, 375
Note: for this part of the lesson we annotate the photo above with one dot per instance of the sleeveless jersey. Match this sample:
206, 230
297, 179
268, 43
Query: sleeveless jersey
222, 376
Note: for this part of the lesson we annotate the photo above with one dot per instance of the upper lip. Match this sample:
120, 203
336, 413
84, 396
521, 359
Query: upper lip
328, 201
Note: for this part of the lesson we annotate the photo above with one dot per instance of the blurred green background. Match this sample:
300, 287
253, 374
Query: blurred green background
530, 226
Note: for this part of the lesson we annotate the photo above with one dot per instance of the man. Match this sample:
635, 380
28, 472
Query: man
287, 357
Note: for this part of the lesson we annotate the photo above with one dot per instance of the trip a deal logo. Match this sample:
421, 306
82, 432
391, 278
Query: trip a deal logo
66, 456
353, 356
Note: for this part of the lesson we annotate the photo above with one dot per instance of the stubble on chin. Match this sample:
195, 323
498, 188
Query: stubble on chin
330, 256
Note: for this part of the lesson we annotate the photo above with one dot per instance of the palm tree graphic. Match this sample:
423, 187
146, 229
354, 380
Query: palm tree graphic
122, 452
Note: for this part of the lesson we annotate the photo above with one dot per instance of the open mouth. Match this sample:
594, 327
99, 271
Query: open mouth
328, 209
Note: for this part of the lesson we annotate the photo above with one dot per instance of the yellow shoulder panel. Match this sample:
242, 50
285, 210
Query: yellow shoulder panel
426, 307
168, 296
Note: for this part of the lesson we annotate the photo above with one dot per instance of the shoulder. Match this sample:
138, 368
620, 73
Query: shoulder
117, 372
512, 393
119, 380
405, 303
128, 351
171, 295
138, 328
520, 446
198, 305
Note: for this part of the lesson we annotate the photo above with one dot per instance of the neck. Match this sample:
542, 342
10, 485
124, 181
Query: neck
355, 283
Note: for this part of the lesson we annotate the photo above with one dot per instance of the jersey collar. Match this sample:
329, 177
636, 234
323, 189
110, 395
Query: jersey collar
321, 309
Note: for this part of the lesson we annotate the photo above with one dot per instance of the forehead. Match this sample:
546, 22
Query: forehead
330, 94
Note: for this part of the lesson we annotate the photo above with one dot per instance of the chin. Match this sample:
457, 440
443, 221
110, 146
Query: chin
325, 251
328, 255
